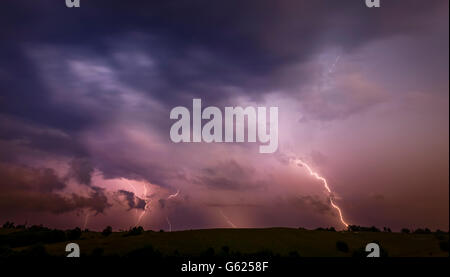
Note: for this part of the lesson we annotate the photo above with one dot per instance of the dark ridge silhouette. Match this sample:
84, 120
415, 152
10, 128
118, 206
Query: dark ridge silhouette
288, 243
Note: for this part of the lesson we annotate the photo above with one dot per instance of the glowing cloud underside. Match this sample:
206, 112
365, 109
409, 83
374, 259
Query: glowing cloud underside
299, 162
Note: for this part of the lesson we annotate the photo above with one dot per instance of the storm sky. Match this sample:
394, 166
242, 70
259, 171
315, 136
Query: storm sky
86, 93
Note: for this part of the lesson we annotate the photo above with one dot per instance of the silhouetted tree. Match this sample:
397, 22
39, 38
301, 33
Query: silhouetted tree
135, 231
74, 234
107, 231
422, 231
405, 231
352, 228
374, 229
8, 225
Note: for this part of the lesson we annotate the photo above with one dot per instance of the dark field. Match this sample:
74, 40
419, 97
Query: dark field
280, 242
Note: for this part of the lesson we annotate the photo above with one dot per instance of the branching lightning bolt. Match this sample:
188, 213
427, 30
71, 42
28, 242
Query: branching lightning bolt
144, 197
168, 198
227, 219
145, 207
325, 184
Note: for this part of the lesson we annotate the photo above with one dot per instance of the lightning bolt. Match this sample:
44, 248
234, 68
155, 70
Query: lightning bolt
168, 222
173, 195
168, 198
227, 219
146, 205
144, 197
86, 220
325, 184
133, 187
334, 64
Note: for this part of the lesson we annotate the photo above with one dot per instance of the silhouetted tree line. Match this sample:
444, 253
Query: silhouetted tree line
331, 229
35, 234
356, 228
135, 231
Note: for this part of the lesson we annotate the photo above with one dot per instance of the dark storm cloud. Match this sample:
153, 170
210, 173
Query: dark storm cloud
313, 202
197, 46
81, 170
18, 135
24, 177
23, 188
126, 167
212, 50
162, 203
97, 201
64, 74
132, 200
230, 175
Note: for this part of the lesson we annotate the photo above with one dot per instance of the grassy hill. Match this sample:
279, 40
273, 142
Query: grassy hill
226, 242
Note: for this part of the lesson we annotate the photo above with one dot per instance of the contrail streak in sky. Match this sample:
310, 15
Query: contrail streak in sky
325, 184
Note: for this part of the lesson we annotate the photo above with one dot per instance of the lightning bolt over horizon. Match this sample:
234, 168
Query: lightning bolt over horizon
227, 219
133, 187
325, 184
145, 207
167, 217
170, 224
144, 197
86, 220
